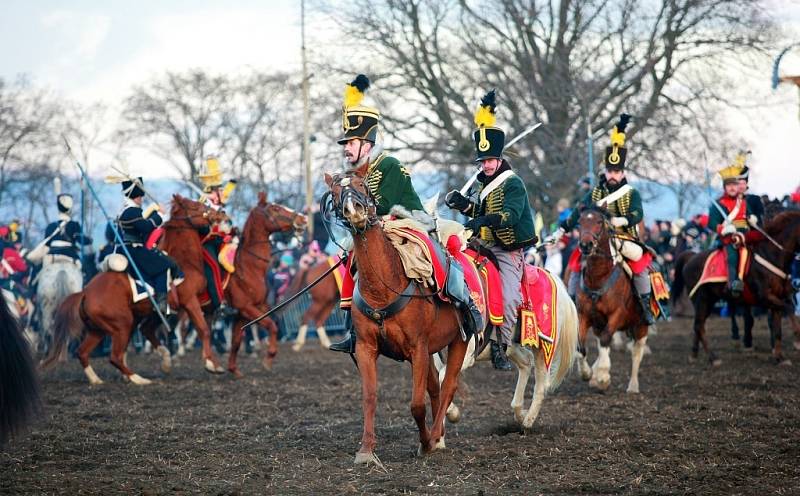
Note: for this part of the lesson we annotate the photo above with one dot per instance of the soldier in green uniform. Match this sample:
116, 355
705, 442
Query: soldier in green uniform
624, 204
501, 218
387, 179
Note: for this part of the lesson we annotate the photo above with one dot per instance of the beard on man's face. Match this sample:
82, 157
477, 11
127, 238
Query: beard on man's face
612, 182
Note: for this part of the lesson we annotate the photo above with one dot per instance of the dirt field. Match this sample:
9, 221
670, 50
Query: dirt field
693, 430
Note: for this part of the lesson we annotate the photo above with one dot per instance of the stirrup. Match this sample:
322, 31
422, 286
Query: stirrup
346, 345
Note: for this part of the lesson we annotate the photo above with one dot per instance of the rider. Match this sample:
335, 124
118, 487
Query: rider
218, 241
624, 204
501, 218
12, 264
730, 216
387, 180
65, 236
136, 225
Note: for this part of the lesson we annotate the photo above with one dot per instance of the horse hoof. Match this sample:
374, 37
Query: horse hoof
600, 385
586, 373
633, 389
438, 445
236, 373
453, 414
213, 367
139, 380
716, 362
267, 363
297, 347
784, 362
366, 458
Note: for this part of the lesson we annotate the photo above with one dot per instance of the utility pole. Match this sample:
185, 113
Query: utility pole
306, 123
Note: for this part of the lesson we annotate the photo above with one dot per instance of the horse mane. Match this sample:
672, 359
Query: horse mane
591, 207
782, 221
249, 224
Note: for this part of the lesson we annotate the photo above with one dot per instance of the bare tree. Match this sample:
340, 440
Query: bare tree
571, 64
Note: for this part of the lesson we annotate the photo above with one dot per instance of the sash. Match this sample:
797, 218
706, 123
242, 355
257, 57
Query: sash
614, 196
500, 179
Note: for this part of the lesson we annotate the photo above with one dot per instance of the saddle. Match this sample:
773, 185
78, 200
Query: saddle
716, 268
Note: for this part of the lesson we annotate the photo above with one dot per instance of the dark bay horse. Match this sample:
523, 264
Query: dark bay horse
19, 388
324, 297
607, 302
421, 327
247, 290
105, 306
769, 289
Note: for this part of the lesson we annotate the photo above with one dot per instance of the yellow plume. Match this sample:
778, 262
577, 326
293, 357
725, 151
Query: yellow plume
730, 172
617, 138
484, 117
352, 96
740, 160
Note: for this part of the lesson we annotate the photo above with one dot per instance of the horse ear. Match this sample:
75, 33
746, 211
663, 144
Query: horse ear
328, 179
361, 170
262, 198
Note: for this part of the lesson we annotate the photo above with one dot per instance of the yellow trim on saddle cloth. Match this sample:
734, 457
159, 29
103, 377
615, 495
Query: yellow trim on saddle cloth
223, 257
493, 319
336, 274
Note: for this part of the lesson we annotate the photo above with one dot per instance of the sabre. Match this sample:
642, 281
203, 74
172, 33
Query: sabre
299, 293
511, 143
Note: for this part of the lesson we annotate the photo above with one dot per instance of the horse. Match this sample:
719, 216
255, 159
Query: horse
526, 359
247, 290
606, 302
19, 388
324, 297
405, 324
769, 286
105, 306
60, 276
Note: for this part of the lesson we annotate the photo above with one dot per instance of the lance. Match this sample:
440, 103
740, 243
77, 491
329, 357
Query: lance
511, 143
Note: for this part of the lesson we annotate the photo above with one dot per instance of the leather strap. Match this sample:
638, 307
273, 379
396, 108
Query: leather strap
597, 293
380, 314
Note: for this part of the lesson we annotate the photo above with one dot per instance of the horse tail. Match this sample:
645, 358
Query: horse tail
567, 345
62, 285
298, 283
678, 283
68, 324
19, 388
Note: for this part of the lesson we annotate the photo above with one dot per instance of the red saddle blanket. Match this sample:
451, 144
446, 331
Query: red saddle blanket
716, 267
221, 281
494, 285
340, 272
539, 312
637, 267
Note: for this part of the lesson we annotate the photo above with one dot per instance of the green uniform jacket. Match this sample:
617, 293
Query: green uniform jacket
508, 204
390, 184
628, 206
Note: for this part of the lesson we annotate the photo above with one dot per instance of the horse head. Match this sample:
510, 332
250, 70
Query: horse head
194, 213
352, 200
593, 227
273, 217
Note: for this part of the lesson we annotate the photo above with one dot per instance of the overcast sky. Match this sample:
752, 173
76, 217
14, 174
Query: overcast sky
90, 49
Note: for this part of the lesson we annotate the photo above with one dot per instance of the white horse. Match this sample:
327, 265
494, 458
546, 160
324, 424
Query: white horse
59, 278
525, 359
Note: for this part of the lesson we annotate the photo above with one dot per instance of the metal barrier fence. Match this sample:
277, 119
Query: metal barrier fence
290, 319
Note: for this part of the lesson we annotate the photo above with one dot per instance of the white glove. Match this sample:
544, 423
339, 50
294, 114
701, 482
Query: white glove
728, 228
619, 221
225, 227
752, 220
553, 238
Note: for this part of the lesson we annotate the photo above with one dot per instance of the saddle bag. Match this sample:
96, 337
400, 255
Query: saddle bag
115, 263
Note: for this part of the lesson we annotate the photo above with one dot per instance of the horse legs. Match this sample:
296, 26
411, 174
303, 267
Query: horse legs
795, 322
453, 412
236, 342
433, 389
583, 363
775, 332
701, 312
522, 358
733, 309
420, 367
601, 370
119, 344
455, 360
148, 328
542, 379
89, 343
201, 326
300, 340
748, 328
367, 358
636, 359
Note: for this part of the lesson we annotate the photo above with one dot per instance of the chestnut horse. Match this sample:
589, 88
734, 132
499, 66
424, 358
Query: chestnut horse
423, 325
769, 289
247, 290
324, 297
607, 302
19, 389
105, 306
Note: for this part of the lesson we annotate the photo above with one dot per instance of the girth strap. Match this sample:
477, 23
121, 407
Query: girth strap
597, 293
380, 314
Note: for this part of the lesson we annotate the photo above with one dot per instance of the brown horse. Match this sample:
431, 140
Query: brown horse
607, 302
412, 327
247, 291
769, 289
324, 297
105, 306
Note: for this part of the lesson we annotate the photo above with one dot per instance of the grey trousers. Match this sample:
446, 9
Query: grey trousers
640, 281
510, 264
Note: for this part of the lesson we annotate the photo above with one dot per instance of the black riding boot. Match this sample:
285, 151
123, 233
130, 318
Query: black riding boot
499, 358
647, 314
348, 344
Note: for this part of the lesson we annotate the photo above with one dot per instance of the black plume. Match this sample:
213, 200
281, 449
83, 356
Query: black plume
623, 121
489, 100
361, 82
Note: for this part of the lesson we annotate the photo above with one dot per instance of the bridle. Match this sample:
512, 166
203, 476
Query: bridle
348, 195
595, 236
190, 219
274, 222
